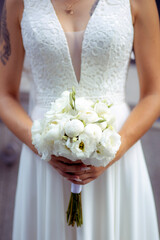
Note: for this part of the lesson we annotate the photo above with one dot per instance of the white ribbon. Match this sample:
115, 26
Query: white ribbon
76, 188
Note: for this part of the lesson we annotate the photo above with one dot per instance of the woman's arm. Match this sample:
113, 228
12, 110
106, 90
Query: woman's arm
147, 54
11, 64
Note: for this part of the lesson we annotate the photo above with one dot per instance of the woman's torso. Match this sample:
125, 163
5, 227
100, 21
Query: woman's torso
103, 51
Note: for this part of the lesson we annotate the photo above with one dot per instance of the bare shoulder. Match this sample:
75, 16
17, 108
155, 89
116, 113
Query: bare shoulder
144, 8
14, 3
13, 10
134, 10
10, 31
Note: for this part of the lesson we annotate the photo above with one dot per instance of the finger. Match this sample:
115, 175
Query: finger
81, 172
85, 176
69, 168
66, 160
81, 182
73, 178
93, 173
68, 176
75, 163
79, 163
76, 178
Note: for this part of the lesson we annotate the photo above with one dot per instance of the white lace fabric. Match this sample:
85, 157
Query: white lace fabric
104, 54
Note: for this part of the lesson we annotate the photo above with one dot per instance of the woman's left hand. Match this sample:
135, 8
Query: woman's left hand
79, 173
90, 173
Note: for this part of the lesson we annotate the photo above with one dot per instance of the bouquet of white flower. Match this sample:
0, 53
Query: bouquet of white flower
78, 129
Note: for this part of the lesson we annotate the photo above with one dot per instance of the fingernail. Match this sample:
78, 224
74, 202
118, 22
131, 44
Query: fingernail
86, 168
76, 177
78, 180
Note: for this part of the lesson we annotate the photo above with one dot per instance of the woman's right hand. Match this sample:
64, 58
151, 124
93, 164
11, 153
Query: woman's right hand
67, 168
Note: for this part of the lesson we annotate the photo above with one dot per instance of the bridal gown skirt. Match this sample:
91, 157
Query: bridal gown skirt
118, 205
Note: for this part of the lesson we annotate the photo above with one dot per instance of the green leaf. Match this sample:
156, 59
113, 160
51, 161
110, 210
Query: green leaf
71, 100
65, 138
97, 101
73, 97
63, 110
77, 117
100, 121
73, 90
54, 122
83, 122
111, 127
110, 105
104, 101
74, 139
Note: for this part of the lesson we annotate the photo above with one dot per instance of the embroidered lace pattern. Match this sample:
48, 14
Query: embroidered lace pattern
105, 57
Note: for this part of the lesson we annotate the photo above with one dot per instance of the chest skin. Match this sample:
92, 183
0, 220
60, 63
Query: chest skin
82, 11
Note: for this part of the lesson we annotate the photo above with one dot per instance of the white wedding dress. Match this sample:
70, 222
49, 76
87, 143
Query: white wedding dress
118, 205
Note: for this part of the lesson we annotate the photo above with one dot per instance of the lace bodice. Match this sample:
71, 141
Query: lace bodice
105, 52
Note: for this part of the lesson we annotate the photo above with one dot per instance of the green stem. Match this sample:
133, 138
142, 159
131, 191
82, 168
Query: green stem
74, 211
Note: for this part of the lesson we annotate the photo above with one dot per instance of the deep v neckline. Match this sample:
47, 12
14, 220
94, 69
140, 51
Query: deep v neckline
83, 41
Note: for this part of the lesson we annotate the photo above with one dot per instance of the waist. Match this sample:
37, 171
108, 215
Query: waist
43, 104
111, 97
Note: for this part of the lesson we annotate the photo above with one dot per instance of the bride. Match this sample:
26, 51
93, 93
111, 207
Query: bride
86, 44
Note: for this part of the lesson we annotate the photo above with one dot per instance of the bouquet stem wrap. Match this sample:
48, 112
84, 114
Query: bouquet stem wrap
74, 212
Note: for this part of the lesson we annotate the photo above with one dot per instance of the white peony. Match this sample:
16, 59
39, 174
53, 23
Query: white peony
60, 149
51, 116
53, 132
101, 108
88, 116
93, 131
36, 127
65, 94
110, 118
83, 104
83, 147
61, 104
43, 148
73, 128
102, 125
36, 131
110, 143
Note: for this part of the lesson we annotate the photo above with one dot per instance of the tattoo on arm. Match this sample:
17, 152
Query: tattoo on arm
5, 46
93, 7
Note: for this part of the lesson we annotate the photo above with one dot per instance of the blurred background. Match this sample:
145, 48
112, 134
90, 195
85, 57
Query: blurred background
10, 148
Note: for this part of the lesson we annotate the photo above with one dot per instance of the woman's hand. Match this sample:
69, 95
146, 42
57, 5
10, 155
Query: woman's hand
77, 172
90, 173
67, 168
